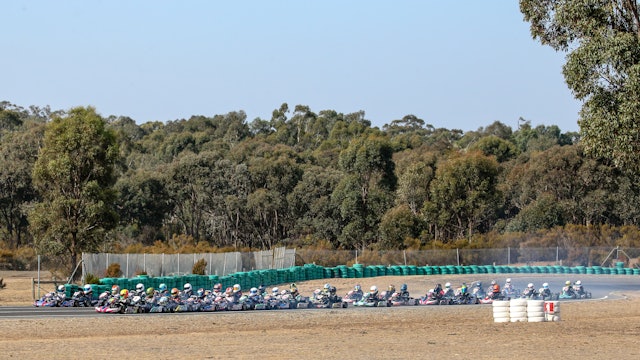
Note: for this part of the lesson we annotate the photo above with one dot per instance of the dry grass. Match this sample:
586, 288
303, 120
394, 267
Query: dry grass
589, 329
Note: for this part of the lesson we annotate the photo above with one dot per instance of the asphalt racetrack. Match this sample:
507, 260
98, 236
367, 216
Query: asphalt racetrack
602, 287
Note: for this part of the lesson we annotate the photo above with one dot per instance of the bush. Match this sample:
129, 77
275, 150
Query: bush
91, 279
199, 267
113, 271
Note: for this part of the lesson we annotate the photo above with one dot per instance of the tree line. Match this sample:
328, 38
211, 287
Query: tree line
73, 181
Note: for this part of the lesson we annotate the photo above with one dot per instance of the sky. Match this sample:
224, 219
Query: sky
455, 64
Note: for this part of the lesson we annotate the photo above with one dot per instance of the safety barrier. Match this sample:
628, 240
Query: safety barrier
312, 272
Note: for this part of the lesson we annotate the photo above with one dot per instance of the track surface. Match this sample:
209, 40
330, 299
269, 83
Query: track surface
602, 287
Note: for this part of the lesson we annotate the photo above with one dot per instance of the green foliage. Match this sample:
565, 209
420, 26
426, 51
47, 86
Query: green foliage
89, 278
602, 69
304, 177
113, 271
74, 175
200, 267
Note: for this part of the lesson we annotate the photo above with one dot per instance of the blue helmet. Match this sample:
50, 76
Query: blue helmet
162, 287
403, 287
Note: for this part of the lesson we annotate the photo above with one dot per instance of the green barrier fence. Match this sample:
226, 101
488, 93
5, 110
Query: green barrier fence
313, 272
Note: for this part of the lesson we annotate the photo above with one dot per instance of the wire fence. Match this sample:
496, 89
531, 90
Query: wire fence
180, 264
581, 256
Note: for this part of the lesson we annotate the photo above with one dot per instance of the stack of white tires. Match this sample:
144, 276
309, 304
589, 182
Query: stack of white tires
552, 310
518, 310
535, 311
501, 311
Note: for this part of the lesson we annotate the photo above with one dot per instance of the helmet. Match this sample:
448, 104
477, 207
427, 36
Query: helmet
392, 288
447, 285
162, 287
87, 289
327, 286
493, 282
578, 282
464, 285
567, 282
479, 284
403, 287
333, 290
150, 291
357, 287
530, 285
124, 293
200, 292
374, 288
60, 288
140, 287
275, 290
187, 287
545, 285
253, 291
115, 289
236, 288
283, 292
175, 291
163, 301
293, 287
261, 288
217, 287
508, 280
228, 290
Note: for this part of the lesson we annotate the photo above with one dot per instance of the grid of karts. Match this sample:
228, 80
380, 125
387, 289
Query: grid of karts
164, 300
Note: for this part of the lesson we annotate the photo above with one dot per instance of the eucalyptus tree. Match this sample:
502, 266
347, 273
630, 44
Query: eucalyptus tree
74, 177
464, 196
365, 192
602, 39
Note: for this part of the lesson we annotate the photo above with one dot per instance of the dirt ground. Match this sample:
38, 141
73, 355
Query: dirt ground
588, 330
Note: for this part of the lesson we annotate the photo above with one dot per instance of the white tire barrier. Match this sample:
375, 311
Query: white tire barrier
501, 311
535, 311
518, 310
552, 310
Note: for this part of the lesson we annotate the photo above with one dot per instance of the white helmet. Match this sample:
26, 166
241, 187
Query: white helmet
447, 285
275, 290
493, 282
61, 288
508, 280
253, 291
530, 286
578, 282
187, 287
140, 287
87, 289
374, 288
327, 286
545, 285
236, 288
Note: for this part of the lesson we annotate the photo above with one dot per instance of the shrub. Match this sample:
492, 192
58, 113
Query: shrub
91, 279
199, 267
113, 271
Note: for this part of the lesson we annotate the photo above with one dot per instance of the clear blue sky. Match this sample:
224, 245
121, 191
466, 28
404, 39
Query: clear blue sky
455, 64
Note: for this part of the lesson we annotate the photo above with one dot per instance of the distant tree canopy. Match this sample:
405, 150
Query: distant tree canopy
74, 181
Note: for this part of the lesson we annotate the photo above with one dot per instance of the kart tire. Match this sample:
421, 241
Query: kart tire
501, 303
